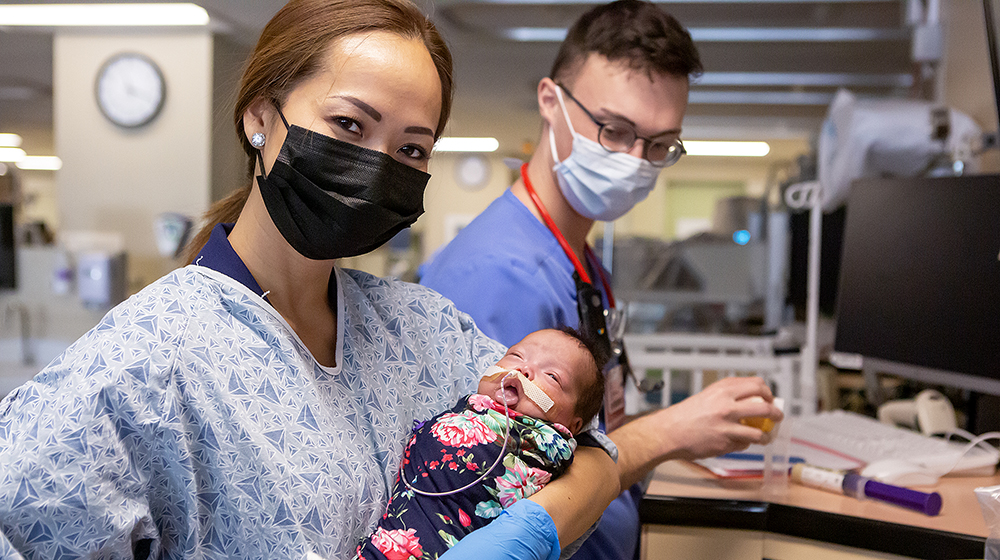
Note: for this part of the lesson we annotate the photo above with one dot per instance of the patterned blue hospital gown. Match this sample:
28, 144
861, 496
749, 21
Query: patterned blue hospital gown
192, 423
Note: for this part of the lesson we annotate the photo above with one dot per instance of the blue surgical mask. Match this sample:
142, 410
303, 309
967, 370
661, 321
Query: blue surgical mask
599, 184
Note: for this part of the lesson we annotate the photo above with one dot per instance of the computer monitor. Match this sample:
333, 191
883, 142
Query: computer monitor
919, 292
8, 256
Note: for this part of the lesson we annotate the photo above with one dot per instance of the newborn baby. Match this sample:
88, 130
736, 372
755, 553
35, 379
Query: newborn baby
504, 443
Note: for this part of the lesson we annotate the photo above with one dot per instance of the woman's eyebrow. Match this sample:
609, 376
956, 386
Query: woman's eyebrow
419, 130
363, 106
377, 117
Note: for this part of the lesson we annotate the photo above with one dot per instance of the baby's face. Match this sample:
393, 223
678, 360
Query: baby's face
554, 361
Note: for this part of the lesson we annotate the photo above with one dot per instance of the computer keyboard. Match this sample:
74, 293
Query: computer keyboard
868, 440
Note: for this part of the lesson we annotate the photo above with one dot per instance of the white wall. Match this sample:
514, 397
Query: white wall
445, 200
115, 179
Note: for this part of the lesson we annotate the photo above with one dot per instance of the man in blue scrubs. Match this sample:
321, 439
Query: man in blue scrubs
612, 109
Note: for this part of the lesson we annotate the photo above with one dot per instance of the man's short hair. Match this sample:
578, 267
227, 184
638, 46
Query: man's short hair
591, 397
634, 32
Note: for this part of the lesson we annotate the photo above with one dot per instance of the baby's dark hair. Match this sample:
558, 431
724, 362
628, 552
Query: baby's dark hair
592, 394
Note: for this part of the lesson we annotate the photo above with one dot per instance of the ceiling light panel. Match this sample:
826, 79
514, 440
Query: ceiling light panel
102, 15
40, 163
10, 140
11, 155
455, 144
701, 96
726, 148
737, 34
801, 79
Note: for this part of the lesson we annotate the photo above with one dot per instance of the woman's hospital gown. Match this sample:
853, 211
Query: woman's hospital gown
192, 422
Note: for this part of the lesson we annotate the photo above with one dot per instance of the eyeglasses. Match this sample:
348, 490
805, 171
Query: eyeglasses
620, 137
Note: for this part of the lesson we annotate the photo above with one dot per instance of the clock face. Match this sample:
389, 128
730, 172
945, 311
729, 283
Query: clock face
472, 172
130, 90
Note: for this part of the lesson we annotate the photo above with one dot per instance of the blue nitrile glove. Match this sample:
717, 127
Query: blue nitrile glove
524, 531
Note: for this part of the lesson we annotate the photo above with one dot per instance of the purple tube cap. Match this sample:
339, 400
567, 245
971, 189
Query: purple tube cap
928, 503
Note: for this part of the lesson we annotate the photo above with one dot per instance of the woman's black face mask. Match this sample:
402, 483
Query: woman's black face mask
332, 199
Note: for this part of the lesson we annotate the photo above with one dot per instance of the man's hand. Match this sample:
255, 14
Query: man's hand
708, 423
705, 424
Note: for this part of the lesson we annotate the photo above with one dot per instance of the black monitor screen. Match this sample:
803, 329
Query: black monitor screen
8, 271
920, 274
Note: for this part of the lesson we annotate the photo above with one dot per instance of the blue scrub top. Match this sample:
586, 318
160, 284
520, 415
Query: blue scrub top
508, 271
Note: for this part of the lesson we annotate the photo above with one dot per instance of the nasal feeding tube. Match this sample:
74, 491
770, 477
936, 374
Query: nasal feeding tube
532, 391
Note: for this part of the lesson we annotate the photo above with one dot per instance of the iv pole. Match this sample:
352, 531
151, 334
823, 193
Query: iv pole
807, 195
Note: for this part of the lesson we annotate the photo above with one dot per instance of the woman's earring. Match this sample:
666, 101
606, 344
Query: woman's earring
257, 140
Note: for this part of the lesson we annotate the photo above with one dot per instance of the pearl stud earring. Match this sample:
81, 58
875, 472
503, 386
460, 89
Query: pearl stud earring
257, 140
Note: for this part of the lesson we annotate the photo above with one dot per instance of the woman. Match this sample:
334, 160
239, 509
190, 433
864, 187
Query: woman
255, 403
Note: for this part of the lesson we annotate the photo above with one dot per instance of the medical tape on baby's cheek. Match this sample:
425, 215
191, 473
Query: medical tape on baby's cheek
532, 391
493, 372
536, 394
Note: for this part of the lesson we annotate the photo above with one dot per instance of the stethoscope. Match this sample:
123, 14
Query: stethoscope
590, 305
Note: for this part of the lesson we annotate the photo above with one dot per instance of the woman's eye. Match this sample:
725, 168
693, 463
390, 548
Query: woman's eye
348, 124
414, 152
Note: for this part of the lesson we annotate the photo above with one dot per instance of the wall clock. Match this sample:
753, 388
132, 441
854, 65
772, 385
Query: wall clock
130, 90
472, 171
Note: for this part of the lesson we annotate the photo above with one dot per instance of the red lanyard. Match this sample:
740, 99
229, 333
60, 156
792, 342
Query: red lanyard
588, 252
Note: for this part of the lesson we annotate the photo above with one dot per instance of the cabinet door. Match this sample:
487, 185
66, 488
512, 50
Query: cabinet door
781, 547
663, 542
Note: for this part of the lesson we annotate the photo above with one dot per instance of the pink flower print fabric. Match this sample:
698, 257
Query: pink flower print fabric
398, 544
453, 450
459, 430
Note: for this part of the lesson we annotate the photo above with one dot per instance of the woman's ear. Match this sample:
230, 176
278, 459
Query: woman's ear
257, 117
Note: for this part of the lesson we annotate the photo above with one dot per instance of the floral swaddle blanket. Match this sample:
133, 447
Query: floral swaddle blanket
451, 451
